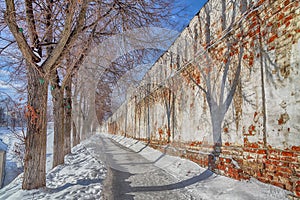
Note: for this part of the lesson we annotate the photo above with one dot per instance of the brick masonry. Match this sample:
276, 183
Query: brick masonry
260, 131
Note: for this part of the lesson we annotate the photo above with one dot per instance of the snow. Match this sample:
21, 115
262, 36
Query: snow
202, 183
82, 175
3, 146
79, 178
12, 166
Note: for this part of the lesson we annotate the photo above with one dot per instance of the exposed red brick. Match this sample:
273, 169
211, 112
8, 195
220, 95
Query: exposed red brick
259, 174
280, 16
274, 152
270, 177
286, 153
284, 169
253, 145
250, 150
222, 167
261, 151
263, 179
274, 157
278, 184
286, 2
252, 127
287, 19
298, 188
289, 159
272, 39
267, 162
296, 148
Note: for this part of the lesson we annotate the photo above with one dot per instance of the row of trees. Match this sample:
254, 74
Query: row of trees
11, 112
46, 42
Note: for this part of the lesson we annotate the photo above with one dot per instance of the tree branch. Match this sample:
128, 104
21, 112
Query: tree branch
33, 35
49, 63
10, 18
72, 37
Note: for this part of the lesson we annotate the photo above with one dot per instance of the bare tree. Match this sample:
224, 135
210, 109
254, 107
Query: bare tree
49, 35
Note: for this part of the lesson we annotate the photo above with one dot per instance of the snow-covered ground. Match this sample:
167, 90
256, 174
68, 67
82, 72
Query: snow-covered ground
79, 178
202, 183
82, 175
13, 166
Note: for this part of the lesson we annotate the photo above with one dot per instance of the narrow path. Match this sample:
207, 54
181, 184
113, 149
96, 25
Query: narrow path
131, 176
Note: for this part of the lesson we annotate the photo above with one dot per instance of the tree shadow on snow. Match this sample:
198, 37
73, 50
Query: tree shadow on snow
121, 188
182, 184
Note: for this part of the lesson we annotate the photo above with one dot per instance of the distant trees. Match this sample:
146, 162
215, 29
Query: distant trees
2, 116
12, 116
11, 112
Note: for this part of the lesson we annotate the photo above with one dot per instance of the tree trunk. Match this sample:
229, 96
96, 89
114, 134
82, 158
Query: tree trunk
75, 137
58, 114
75, 116
68, 116
36, 136
79, 120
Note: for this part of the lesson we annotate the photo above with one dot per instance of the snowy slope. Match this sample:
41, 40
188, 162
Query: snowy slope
13, 167
82, 178
79, 178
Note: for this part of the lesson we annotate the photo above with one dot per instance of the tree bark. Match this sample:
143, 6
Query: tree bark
80, 120
58, 114
35, 153
76, 122
75, 137
68, 117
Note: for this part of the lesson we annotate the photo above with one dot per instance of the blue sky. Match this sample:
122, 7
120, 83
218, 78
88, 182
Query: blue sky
188, 9
191, 7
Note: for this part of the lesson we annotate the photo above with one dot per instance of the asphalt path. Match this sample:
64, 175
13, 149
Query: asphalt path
131, 176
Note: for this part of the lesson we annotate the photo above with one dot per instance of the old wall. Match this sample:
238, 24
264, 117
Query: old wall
231, 79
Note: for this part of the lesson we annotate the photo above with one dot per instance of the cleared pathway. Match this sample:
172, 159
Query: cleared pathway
131, 176
141, 173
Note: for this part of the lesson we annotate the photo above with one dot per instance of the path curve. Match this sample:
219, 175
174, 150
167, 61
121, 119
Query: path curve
131, 176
